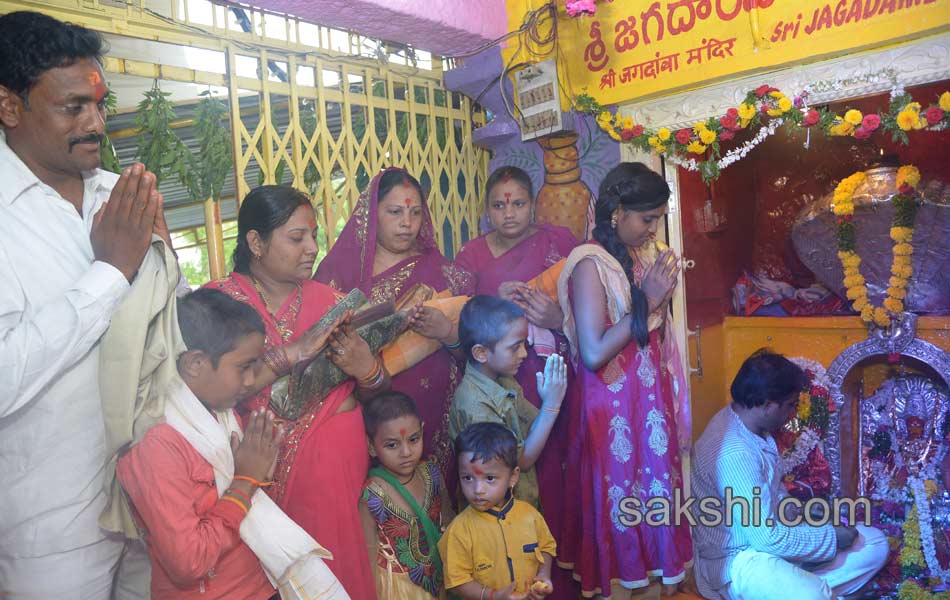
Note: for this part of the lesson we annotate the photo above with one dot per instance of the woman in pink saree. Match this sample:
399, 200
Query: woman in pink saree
324, 458
628, 415
386, 248
498, 263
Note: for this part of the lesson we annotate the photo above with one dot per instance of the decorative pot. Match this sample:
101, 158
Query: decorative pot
564, 199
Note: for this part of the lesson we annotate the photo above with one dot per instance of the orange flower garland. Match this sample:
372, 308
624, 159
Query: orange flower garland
905, 208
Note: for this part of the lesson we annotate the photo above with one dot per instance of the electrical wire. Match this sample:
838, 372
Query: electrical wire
529, 26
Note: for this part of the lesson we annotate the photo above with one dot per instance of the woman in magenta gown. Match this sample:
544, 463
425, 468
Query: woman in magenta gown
627, 402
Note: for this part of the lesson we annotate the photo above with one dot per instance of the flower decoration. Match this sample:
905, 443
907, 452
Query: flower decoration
763, 110
804, 406
902, 491
800, 442
577, 8
905, 210
911, 556
911, 590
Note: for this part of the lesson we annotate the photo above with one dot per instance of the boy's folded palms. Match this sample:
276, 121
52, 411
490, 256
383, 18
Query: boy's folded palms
552, 384
255, 455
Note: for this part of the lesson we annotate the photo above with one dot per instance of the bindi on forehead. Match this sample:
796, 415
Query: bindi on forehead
402, 431
312, 222
478, 471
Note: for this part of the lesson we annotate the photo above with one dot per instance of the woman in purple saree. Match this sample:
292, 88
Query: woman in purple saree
387, 248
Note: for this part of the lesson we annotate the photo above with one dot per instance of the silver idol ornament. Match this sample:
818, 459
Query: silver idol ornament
813, 235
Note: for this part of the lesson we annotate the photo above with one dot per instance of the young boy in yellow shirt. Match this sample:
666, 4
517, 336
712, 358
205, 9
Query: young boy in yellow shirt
498, 548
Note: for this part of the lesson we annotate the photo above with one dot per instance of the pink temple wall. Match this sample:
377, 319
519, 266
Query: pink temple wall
444, 27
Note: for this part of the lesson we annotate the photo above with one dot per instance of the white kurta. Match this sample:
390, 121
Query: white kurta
55, 303
764, 559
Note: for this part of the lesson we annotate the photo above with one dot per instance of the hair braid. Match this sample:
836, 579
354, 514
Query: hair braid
606, 235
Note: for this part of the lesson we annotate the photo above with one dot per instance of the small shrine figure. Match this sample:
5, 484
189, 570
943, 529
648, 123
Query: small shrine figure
908, 436
905, 469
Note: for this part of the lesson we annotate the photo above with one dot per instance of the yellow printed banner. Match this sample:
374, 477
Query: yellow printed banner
632, 49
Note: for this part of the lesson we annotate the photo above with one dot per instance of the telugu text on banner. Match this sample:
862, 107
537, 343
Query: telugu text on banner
634, 49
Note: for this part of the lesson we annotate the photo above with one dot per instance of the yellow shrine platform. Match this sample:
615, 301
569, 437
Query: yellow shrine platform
725, 346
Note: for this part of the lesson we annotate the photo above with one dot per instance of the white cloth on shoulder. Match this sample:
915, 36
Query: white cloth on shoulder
291, 558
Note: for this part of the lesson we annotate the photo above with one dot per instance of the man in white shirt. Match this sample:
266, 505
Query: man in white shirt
760, 557
71, 240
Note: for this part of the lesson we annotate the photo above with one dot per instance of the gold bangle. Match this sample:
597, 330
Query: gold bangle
373, 375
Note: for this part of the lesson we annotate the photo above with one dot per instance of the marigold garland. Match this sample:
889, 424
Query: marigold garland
698, 148
911, 556
902, 232
911, 590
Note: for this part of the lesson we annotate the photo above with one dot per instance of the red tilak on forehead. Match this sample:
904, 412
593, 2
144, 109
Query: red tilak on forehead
408, 201
507, 195
313, 223
402, 432
478, 471
95, 80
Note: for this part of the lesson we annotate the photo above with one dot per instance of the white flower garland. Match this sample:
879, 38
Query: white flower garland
925, 522
733, 155
739, 153
819, 373
882, 483
798, 453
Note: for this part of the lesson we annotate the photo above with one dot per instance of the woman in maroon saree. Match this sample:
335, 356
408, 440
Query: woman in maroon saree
324, 457
498, 263
387, 247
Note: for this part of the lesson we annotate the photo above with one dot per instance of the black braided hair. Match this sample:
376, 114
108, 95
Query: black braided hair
628, 186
